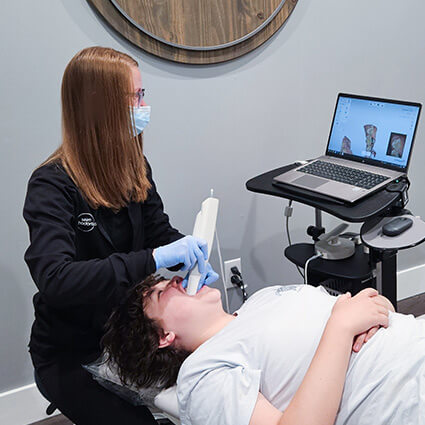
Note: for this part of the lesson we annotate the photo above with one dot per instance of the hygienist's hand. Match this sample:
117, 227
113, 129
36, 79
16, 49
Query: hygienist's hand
188, 250
208, 277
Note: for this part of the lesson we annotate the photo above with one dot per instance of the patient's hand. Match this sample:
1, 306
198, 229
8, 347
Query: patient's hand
360, 313
361, 339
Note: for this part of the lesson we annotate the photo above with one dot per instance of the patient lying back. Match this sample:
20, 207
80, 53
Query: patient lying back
266, 348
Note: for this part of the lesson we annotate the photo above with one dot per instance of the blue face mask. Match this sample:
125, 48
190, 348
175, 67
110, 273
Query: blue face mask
141, 116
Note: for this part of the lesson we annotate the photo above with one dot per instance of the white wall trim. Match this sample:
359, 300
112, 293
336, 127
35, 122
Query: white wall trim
22, 406
410, 282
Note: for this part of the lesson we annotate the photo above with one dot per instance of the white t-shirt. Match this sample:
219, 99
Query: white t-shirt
268, 348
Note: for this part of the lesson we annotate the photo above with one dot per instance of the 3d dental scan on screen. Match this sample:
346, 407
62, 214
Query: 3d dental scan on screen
370, 129
212, 213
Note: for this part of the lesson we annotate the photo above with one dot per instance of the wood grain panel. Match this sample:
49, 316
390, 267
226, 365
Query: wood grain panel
198, 23
217, 28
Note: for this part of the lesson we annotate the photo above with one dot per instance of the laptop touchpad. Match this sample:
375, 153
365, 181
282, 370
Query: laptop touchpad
310, 181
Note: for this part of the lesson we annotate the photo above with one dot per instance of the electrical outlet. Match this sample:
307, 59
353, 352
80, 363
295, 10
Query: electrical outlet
227, 272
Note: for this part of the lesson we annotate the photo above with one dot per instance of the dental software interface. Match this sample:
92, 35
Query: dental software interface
380, 131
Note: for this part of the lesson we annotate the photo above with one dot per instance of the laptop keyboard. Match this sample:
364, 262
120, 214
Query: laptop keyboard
343, 174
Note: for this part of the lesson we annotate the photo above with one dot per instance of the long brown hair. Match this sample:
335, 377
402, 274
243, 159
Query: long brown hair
99, 150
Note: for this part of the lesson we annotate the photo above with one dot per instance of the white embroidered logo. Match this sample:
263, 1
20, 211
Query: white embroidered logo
86, 222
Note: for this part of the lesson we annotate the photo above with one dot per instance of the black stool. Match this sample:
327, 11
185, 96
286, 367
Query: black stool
51, 407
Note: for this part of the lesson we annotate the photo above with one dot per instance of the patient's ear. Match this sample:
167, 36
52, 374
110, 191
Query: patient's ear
166, 339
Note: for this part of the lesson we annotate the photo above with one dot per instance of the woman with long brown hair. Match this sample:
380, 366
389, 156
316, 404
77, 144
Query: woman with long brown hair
97, 228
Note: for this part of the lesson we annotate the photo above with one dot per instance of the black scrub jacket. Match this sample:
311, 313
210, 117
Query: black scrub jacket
79, 274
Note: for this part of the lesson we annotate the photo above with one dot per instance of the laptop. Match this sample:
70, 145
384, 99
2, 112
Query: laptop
369, 146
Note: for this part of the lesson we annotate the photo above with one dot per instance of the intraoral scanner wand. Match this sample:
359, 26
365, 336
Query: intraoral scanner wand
204, 228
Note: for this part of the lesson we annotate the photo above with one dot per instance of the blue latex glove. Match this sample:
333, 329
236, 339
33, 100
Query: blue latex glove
208, 277
188, 250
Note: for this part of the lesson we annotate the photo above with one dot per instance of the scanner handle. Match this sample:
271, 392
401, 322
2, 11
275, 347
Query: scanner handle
204, 228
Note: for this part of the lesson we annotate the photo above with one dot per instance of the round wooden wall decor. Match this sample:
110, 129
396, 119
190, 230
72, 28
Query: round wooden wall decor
196, 31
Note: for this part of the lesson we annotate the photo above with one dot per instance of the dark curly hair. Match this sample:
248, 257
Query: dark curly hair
131, 342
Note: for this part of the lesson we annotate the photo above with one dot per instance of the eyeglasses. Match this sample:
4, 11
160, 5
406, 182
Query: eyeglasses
140, 94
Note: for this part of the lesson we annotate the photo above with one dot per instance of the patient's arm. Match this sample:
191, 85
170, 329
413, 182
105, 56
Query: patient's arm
317, 399
265, 412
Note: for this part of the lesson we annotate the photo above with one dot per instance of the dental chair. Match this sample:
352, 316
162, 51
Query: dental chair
162, 403
166, 402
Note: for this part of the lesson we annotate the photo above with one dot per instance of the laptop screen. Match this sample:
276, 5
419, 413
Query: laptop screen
374, 131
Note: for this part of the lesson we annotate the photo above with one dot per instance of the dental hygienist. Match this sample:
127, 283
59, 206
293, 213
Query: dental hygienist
97, 227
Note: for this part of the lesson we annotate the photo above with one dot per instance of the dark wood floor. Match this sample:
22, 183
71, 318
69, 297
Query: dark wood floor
413, 305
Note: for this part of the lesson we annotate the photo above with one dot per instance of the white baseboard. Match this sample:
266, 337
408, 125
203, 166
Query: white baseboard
23, 406
410, 282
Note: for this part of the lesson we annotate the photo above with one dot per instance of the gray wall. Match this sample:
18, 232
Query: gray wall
212, 126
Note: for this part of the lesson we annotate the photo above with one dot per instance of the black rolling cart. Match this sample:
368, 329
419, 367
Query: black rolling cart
374, 262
